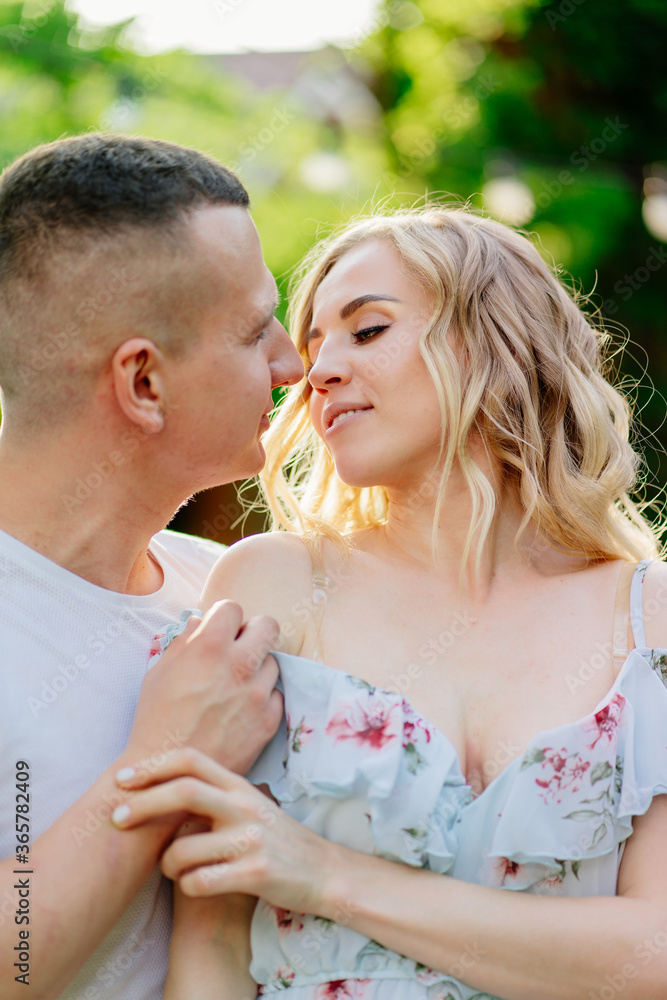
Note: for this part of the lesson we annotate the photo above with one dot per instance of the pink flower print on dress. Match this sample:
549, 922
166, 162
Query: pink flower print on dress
299, 735
414, 725
342, 989
163, 639
287, 921
156, 644
576, 773
415, 730
505, 872
550, 884
426, 975
605, 722
285, 976
563, 776
557, 759
369, 725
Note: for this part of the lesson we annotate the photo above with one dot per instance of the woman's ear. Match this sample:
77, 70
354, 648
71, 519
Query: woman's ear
139, 383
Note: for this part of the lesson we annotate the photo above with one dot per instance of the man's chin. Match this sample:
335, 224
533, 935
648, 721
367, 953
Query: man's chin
253, 467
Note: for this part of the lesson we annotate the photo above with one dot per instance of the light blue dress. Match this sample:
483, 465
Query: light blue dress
361, 767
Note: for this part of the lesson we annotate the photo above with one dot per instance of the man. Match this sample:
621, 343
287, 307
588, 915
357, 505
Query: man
138, 351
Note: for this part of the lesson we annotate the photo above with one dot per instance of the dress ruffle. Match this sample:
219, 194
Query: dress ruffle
571, 797
344, 741
361, 767
578, 786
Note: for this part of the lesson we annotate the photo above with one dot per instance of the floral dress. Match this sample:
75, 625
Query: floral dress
361, 767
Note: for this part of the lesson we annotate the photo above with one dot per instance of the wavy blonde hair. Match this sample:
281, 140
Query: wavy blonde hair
532, 384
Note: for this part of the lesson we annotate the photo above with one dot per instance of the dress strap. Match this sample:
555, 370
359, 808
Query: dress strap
636, 604
621, 611
321, 583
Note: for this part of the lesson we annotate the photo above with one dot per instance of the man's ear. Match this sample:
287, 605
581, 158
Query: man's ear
139, 384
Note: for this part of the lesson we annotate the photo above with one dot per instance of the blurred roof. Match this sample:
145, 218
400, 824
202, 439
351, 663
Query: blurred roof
324, 83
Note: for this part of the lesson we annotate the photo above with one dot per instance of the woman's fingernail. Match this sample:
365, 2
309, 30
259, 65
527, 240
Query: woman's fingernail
126, 774
120, 814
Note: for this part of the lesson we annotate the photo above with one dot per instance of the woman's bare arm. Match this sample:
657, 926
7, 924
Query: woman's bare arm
267, 574
512, 944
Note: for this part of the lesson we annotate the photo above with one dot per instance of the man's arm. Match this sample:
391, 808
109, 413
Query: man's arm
212, 689
210, 949
78, 889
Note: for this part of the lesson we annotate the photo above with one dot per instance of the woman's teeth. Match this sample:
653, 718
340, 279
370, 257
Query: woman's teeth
341, 416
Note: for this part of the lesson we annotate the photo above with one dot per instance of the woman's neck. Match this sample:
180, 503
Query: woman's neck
408, 535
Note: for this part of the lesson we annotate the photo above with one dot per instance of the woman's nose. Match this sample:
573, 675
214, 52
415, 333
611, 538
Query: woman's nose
331, 366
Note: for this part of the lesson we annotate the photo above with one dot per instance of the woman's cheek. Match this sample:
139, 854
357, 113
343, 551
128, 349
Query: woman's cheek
316, 408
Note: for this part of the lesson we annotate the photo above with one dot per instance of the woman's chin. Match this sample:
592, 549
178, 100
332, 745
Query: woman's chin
357, 478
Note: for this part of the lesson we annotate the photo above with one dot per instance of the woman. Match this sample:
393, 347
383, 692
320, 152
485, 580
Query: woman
462, 693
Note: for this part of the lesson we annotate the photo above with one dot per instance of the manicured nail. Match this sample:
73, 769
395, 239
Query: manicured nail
120, 814
126, 774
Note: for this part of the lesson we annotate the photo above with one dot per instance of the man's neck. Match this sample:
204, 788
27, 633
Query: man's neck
98, 527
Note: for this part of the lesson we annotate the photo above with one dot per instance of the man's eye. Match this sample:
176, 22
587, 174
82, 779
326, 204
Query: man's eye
361, 336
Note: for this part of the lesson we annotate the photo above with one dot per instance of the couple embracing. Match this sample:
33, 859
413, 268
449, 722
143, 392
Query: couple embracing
369, 737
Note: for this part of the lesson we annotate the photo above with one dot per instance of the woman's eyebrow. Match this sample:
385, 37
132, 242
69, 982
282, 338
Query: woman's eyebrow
355, 304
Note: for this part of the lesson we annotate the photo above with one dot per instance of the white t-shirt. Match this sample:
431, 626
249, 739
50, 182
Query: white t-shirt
72, 659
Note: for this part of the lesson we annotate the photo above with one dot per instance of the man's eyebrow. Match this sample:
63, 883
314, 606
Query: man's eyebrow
351, 307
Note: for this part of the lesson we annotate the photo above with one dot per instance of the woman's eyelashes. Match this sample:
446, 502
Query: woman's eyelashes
361, 336
358, 337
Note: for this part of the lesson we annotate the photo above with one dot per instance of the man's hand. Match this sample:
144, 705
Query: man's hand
213, 689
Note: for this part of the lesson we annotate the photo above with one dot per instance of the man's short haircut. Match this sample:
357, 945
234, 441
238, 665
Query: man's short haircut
90, 198
103, 183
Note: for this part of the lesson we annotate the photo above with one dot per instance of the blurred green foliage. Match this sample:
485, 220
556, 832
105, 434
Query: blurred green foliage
565, 98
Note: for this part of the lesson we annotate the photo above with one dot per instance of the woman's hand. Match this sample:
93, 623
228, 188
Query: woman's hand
252, 847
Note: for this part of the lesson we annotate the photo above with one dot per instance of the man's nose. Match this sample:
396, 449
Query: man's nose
286, 363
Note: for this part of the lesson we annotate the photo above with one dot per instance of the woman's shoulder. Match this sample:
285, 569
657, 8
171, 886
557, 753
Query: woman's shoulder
266, 574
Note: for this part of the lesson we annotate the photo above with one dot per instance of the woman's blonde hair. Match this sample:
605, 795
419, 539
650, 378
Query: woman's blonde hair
529, 381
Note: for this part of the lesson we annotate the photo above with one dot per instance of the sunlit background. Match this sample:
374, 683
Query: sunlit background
232, 25
550, 115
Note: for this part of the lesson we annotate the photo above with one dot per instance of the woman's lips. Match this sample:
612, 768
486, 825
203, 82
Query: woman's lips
348, 418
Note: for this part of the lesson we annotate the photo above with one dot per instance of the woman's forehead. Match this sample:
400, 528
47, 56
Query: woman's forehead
372, 266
